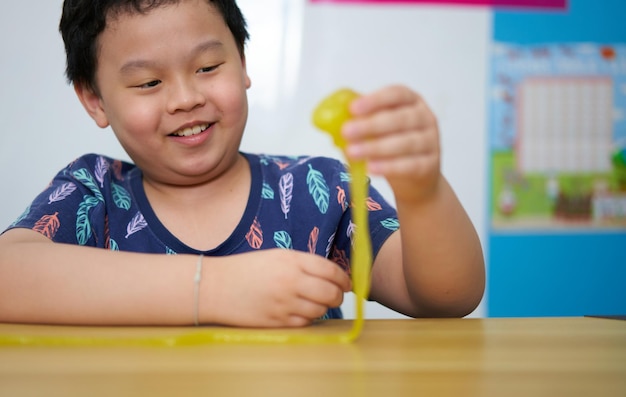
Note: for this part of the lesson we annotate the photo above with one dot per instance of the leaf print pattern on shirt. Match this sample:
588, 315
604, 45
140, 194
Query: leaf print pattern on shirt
350, 231
121, 197
107, 232
86, 179
285, 185
102, 167
267, 193
48, 225
83, 224
109, 243
283, 240
329, 246
302, 160
391, 224
62, 192
117, 170
281, 165
255, 235
341, 198
137, 224
313, 237
113, 246
340, 258
318, 189
373, 205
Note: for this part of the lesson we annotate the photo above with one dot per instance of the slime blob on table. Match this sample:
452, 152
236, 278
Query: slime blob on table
329, 116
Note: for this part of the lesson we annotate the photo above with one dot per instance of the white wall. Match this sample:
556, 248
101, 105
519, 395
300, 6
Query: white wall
298, 54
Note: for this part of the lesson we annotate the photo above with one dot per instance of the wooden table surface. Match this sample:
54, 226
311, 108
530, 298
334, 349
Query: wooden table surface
450, 357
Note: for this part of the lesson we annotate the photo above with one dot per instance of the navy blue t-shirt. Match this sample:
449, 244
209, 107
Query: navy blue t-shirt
300, 203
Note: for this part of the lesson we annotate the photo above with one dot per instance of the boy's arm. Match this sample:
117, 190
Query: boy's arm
434, 265
46, 282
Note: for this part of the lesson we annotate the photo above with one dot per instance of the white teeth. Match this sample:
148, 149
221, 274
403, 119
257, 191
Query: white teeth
192, 130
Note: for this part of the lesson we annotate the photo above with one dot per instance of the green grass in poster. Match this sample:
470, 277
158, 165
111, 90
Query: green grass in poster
525, 198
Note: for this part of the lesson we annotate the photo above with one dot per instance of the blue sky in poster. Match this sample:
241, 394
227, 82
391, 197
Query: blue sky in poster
584, 21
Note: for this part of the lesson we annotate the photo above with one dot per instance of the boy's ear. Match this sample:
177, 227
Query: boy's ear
246, 77
92, 104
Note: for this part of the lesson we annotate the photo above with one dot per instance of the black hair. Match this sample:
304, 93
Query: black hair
82, 21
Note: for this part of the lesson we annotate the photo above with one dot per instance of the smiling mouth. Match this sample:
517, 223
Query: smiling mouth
195, 130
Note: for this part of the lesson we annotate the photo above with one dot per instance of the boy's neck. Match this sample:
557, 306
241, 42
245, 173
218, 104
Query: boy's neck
203, 216
231, 179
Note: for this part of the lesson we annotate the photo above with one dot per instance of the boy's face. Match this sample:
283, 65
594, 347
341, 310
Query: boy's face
172, 86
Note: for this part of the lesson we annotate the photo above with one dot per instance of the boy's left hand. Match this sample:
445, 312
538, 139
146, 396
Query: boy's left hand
395, 131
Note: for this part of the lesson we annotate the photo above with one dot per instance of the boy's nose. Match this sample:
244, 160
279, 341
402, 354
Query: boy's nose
184, 96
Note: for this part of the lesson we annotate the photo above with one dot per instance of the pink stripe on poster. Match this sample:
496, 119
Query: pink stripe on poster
554, 4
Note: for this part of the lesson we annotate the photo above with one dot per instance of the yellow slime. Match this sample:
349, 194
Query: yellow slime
329, 116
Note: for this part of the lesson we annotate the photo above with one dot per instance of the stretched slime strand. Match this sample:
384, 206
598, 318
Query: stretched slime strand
329, 116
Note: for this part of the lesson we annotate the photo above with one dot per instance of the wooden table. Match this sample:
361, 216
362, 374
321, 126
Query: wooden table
450, 357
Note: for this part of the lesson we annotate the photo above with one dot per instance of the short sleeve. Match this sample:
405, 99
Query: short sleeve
382, 220
72, 208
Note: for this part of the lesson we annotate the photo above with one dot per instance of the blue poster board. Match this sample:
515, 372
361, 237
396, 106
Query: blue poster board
557, 234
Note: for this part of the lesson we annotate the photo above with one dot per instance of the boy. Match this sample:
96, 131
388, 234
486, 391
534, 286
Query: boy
170, 79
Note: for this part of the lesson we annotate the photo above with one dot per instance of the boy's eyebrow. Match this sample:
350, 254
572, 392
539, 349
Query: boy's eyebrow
209, 45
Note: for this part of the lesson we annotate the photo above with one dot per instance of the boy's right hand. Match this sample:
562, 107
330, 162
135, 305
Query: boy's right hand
270, 288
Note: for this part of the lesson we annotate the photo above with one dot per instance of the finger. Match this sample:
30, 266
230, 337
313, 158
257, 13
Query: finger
320, 291
407, 143
296, 321
382, 123
308, 309
417, 168
327, 270
417, 117
387, 97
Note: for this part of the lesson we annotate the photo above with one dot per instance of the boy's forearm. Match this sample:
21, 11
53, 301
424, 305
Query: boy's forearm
442, 256
43, 282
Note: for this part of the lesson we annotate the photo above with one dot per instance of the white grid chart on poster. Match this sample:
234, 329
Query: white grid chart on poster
565, 125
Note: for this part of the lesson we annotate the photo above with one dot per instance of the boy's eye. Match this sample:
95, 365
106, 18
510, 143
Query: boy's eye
208, 69
150, 84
